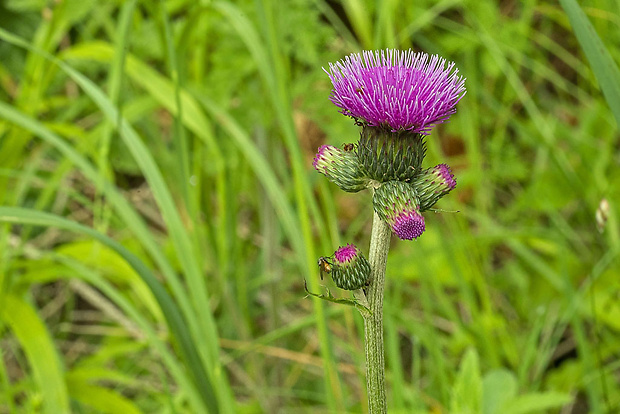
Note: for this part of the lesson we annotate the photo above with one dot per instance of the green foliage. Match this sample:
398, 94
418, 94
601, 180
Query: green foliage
160, 212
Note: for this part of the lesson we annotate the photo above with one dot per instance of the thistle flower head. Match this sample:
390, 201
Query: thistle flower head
349, 268
397, 90
432, 184
340, 167
396, 202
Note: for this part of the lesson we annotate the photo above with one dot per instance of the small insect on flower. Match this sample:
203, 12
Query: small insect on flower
348, 147
324, 265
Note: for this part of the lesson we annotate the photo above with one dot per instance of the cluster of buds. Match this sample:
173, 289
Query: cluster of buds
396, 97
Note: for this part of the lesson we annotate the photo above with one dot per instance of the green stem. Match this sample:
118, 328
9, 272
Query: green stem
373, 323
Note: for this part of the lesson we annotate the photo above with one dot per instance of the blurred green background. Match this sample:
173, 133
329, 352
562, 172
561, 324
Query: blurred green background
160, 211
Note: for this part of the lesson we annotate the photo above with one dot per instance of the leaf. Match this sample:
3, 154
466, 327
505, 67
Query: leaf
40, 351
342, 301
498, 387
100, 398
467, 391
536, 402
603, 65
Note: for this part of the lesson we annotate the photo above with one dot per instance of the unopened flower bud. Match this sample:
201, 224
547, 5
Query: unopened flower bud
396, 202
432, 184
340, 167
349, 268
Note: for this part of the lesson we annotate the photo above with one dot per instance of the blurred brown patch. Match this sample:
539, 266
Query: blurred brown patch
348, 208
452, 145
310, 135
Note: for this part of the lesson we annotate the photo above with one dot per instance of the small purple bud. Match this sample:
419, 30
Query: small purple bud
432, 184
349, 268
408, 225
446, 177
397, 204
323, 157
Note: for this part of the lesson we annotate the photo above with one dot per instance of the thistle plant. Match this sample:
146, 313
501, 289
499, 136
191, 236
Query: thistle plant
396, 97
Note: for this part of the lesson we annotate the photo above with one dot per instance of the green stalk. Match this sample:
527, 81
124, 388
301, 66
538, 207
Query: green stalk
373, 322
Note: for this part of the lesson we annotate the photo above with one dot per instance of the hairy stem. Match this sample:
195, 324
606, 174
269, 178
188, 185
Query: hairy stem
373, 323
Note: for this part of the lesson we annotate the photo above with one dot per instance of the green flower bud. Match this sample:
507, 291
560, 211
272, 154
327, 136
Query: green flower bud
348, 267
432, 184
341, 167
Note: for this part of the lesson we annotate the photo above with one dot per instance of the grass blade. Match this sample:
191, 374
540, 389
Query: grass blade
40, 351
603, 65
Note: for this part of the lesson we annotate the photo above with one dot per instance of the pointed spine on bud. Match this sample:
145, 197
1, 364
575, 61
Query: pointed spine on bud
341, 167
432, 184
396, 202
349, 268
387, 155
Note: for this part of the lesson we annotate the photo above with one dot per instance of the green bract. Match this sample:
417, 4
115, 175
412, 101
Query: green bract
385, 155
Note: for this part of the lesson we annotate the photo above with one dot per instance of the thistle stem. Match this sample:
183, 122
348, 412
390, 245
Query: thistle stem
373, 323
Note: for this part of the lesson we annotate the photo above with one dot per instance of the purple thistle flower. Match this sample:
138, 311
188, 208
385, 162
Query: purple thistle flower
399, 90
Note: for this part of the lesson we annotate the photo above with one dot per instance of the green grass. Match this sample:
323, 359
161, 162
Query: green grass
159, 212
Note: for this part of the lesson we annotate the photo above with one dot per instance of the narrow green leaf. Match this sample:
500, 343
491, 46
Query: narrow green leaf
359, 16
39, 348
364, 310
603, 65
180, 140
100, 398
